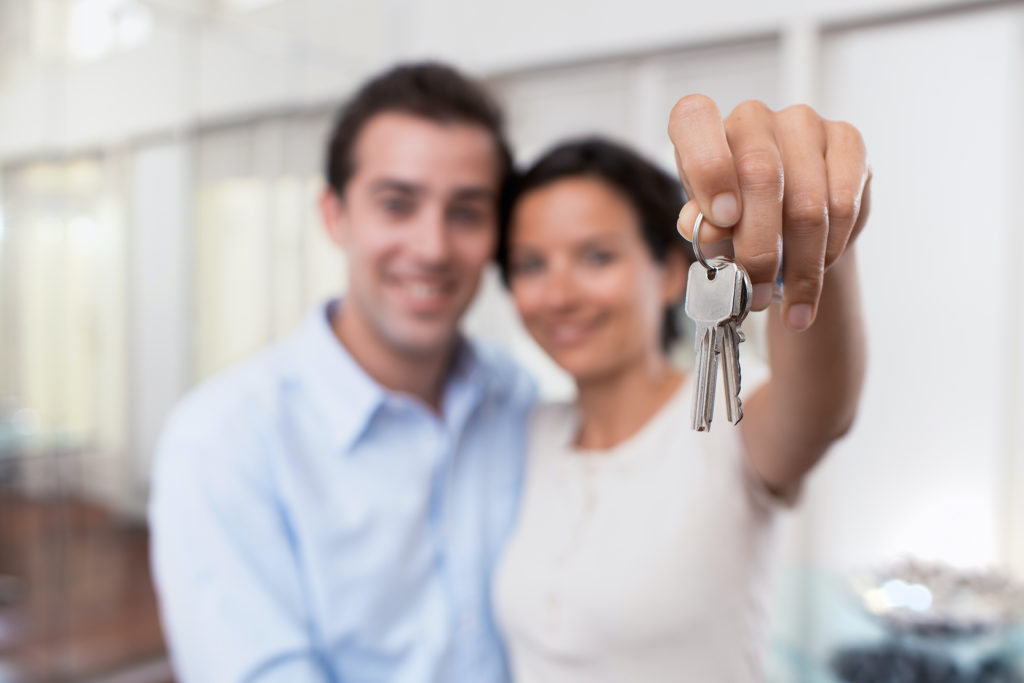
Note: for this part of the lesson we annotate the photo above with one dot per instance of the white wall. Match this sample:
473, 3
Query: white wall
938, 102
498, 36
191, 71
200, 66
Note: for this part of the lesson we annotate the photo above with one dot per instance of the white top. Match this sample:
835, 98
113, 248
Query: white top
647, 562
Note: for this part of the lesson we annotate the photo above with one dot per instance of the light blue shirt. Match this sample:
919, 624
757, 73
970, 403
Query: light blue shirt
309, 525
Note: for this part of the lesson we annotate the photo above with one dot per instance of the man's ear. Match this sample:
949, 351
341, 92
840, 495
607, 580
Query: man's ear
334, 216
676, 270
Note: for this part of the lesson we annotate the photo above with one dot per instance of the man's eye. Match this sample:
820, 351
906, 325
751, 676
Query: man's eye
399, 206
466, 215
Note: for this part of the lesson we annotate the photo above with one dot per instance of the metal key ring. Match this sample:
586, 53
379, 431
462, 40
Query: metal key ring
696, 244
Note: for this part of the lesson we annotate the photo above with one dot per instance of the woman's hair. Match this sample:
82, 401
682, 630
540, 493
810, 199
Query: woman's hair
655, 196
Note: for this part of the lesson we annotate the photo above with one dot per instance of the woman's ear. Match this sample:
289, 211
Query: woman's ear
676, 270
332, 212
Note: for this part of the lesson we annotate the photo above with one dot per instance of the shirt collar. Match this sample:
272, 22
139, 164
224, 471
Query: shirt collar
350, 398
336, 383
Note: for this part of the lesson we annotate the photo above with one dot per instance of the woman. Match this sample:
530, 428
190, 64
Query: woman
642, 548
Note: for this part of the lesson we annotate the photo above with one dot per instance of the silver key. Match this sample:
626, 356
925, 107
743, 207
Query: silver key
731, 337
718, 295
715, 297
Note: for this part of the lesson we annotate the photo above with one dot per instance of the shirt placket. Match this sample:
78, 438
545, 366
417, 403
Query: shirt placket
459, 569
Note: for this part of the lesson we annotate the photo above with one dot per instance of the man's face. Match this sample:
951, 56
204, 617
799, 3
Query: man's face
419, 221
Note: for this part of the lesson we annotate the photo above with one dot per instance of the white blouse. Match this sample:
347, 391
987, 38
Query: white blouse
647, 562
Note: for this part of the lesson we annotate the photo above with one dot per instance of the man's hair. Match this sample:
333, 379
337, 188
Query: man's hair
431, 91
654, 195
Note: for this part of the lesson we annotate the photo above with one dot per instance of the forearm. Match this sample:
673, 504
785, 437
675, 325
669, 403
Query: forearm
815, 385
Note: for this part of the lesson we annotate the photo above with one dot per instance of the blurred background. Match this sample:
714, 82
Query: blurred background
159, 164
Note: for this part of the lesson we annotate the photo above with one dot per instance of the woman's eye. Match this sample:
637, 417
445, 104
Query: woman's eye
526, 266
599, 258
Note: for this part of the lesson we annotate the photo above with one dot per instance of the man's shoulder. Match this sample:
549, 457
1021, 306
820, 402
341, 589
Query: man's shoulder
234, 404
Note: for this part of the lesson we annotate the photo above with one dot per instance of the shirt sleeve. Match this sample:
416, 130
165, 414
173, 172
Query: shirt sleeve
231, 594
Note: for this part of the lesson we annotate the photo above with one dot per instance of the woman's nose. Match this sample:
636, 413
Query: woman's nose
561, 290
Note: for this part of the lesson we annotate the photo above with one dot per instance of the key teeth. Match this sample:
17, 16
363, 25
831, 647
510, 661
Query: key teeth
732, 375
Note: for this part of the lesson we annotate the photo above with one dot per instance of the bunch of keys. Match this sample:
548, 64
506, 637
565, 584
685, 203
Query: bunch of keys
718, 293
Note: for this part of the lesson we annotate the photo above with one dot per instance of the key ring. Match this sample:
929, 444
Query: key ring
696, 244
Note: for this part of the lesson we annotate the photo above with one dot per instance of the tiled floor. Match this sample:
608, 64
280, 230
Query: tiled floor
76, 599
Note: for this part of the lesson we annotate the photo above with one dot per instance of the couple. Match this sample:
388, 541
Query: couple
378, 499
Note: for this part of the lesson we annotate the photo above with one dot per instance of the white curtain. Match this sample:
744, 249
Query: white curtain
261, 256
63, 280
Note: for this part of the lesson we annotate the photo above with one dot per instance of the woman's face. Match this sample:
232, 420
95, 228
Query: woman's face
584, 281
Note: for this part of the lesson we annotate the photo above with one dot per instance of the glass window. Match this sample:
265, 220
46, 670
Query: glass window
63, 276
262, 257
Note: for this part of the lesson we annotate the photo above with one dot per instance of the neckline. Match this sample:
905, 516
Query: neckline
632, 446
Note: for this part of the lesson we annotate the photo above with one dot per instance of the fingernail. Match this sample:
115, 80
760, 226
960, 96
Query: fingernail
725, 210
681, 228
799, 317
762, 296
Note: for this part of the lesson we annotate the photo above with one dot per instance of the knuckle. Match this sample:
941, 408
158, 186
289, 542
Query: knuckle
760, 170
762, 265
843, 206
802, 115
804, 283
846, 132
705, 166
806, 211
750, 109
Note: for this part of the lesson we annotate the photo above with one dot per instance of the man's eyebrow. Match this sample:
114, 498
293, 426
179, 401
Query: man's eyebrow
392, 185
472, 193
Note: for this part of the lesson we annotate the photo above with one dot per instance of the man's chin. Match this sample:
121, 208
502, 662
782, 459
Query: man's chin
424, 340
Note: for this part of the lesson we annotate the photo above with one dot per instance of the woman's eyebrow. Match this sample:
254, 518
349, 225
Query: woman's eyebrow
605, 239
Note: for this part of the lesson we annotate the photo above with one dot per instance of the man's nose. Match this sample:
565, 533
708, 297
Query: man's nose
431, 241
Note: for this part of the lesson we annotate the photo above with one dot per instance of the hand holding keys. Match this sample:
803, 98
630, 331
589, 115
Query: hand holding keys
718, 296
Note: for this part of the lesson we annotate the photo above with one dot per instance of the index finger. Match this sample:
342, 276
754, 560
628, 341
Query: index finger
706, 165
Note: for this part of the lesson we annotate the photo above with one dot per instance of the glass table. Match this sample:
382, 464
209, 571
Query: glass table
821, 634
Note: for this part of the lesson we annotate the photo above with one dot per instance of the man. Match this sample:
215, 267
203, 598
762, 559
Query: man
332, 509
